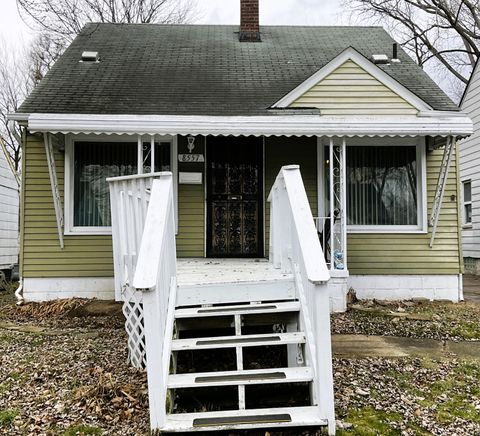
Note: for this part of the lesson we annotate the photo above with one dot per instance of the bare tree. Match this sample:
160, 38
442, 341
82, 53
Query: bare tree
445, 32
65, 18
44, 50
57, 22
15, 85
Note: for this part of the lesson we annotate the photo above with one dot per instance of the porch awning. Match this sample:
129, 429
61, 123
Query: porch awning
431, 123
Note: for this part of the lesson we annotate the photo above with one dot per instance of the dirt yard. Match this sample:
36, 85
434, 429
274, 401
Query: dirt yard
63, 372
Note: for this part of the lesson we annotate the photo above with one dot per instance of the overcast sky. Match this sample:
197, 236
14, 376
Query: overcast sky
308, 12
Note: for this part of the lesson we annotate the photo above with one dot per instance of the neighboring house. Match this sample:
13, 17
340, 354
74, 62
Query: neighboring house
9, 211
368, 132
470, 176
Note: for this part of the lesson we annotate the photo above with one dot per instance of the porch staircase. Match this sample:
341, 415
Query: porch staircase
282, 318
231, 349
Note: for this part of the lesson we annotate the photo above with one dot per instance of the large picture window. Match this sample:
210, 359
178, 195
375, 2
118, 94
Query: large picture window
382, 187
93, 163
89, 162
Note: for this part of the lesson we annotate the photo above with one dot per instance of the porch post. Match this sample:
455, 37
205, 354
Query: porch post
343, 194
331, 203
338, 205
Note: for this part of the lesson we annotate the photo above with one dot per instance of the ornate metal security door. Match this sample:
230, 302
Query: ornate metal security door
234, 197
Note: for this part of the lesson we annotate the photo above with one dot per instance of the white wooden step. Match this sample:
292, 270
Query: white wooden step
238, 341
244, 419
243, 309
245, 377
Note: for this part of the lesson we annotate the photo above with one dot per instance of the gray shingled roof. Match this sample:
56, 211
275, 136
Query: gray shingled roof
205, 70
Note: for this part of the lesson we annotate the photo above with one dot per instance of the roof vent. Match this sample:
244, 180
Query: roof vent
90, 56
380, 59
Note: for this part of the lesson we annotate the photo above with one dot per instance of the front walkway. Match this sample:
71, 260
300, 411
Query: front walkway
359, 346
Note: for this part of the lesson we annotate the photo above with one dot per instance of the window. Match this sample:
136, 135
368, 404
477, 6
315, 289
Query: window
384, 189
90, 162
467, 202
161, 155
93, 163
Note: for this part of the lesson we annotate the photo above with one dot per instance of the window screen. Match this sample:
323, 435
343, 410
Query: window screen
381, 185
467, 202
94, 162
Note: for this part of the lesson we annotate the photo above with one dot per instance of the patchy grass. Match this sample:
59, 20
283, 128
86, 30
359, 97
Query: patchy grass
82, 430
434, 320
370, 422
7, 417
75, 383
407, 396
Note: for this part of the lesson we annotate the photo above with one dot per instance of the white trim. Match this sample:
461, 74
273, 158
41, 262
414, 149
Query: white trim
44, 289
354, 56
174, 169
264, 202
69, 228
466, 224
18, 116
274, 125
406, 287
320, 178
205, 205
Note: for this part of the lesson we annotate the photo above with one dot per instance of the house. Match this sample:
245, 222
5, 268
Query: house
9, 212
200, 151
470, 177
122, 93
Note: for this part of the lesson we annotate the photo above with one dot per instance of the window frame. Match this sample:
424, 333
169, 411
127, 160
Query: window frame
421, 160
69, 227
466, 224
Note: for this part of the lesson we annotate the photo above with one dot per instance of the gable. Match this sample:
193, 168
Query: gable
351, 90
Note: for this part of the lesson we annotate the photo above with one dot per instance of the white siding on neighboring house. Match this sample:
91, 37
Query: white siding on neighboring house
9, 209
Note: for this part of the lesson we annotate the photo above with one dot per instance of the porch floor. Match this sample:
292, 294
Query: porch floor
200, 271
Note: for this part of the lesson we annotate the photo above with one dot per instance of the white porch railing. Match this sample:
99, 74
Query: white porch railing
156, 276
295, 248
129, 199
143, 233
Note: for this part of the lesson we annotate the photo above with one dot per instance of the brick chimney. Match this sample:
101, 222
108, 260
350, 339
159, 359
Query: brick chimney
249, 21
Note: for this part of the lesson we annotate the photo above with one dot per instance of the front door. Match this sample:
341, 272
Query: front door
234, 197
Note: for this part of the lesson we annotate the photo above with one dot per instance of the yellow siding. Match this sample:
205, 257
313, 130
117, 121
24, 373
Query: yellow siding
410, 253
83, 256
351, 90
288, 151
191, 212
91, 256
191, 206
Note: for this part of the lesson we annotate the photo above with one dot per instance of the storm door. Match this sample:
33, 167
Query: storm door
234, 197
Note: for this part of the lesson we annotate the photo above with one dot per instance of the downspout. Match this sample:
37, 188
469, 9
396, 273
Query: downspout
23, 144
459, 226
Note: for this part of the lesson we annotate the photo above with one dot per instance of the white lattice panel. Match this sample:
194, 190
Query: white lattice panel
129, 199
134, 325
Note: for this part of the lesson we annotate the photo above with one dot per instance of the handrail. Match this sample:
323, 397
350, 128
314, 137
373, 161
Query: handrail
155, 232
289, 196
296, 249
155, 275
